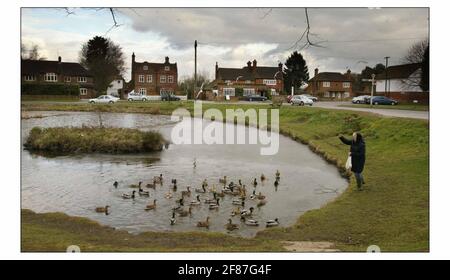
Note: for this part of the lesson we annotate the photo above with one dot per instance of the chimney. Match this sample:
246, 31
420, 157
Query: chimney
280, 66
316, 72
167, 60
133, 58
217, 69
249, 65
59, 59
254, 64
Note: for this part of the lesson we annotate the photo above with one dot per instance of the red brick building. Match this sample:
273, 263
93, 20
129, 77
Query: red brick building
57, 72
249, 80
153, 78
331, 85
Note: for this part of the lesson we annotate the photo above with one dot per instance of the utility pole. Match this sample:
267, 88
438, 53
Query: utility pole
386, 81
195, 69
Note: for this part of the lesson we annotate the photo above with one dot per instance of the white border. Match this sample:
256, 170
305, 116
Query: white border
10, 110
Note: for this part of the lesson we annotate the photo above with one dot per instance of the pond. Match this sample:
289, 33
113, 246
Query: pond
76, 185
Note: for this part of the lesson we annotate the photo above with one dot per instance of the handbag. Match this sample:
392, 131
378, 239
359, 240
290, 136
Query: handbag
348, 164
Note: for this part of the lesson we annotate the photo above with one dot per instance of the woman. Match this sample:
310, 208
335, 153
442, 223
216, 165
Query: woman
358, 154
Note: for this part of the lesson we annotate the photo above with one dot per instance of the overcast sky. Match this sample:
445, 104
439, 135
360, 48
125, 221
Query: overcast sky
352, 38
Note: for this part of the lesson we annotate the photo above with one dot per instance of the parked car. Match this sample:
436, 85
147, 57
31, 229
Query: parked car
362, 99
104, 99
254, 98
301, 100
132, 96
313, 98
383, 100
169, 97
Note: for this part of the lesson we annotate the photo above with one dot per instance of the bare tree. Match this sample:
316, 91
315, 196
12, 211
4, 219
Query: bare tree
32, 53
306, 35
416, 52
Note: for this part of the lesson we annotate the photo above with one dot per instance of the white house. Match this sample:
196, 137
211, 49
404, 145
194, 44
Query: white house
399, 79
115, 87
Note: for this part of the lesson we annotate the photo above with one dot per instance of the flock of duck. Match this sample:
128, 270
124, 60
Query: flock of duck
206, 195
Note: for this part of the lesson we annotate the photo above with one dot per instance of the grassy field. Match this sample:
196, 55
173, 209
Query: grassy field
392, 211
67, 140
412, 107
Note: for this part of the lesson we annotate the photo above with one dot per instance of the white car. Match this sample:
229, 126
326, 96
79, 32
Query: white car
301, 100
104, 99
362, 99
137, 97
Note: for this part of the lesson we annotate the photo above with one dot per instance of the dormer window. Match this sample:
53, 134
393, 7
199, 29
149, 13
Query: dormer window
145, 67
166, 68
82, 79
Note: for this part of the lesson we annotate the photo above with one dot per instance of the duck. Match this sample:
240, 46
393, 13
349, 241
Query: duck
214, 206
151, 185
211, 200
277, 174
237, 201
213, 189
240, 182
276, 183
261, 203
253, 195
205, 183
250, 222
158, 179
196, 201
151, 206
115, 184
204, 224
143, 193
272, 223
260, 196
255, 183
230, 226
134, 186
185, 213
202, 190
224, 180
263, 178
129, 196
173, 220
187, 192
174, 187
247, 213
236, 211
103, 209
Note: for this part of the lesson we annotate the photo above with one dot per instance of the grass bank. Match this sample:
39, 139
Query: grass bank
66, 140
412, 107
392, 212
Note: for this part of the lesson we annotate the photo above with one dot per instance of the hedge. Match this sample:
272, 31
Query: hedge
50, 89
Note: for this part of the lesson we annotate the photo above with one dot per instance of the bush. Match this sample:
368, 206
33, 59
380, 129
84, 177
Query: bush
239, 92
93, 140
50, 89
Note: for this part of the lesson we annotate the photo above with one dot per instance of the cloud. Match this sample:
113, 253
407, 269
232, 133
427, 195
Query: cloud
232, 36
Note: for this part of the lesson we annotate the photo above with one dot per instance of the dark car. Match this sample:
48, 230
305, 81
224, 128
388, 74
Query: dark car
255, 98
169, 97
382, 100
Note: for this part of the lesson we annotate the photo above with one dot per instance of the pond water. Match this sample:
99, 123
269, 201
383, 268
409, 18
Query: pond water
76, 185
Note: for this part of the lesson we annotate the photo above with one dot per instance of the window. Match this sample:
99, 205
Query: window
248, 82
29, 78
142, 91
249, 91
145, 67
326, 94
270, 82
228, 91
326, 84
82, 79
83, 91
141, 79
273, 92
149, 78
67, 79
346, 84
346, 94
170, 79
162, 79
166, 68
51, 77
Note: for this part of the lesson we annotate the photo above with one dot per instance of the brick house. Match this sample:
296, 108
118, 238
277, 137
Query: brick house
153, 78
402, 83
331, 85
57, 72
251, 80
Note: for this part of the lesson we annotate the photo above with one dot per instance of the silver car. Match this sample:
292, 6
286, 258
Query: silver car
301, 100
104, 99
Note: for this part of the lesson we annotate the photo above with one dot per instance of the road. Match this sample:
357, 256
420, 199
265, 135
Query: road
424, 115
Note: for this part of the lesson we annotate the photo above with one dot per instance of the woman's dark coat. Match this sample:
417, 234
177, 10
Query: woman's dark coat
358, 152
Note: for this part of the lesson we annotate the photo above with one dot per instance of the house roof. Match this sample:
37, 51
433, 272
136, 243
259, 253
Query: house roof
246, 73
403, 71
331, 76
34, 67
